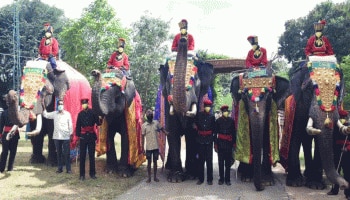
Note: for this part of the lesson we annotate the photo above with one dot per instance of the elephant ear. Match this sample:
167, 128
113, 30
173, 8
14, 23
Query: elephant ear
205, 74
234, 89
130, 92
282, 90
164, 70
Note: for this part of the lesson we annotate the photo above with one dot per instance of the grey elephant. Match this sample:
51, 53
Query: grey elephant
117, 109
257, 95
317, 90
40, 86
184, 84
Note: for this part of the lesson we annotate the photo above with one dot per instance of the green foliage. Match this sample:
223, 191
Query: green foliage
345, 66
32, 15
88, 42
293, 40
149, 51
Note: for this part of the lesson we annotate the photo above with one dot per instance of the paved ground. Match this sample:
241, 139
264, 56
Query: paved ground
238, 190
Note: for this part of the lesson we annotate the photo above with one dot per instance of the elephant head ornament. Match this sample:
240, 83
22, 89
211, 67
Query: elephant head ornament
257, 95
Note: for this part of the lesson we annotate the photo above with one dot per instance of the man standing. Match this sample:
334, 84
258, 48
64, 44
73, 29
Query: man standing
257, 55
9, 137
225, 139
85, 130
63, 130
150, 130
205, 123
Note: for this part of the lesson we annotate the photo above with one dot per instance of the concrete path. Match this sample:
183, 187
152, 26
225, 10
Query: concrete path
238, 190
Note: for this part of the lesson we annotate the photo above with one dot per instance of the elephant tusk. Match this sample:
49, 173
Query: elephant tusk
171, 110
343, 129
193, 111
310, 129
37, 128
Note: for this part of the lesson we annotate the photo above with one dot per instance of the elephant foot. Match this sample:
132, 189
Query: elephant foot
316, 185
37, 159
51, 162
126, 173
296, 182
259, 187
268, 180
176, 177
246, 178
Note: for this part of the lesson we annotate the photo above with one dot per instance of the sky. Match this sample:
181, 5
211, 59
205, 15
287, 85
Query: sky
218, 26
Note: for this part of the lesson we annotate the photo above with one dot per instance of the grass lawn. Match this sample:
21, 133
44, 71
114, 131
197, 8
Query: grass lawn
40, 181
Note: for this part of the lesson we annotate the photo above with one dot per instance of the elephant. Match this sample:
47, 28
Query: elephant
41, 87
257, 94
113, 104
317, 89
184, 83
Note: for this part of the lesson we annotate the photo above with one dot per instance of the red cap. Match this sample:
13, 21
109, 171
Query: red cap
224, 108
46, 24
207, 102
252, 39
121, 42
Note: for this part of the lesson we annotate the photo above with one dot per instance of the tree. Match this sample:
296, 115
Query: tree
149, 52
293, 40
32, 15
88, 42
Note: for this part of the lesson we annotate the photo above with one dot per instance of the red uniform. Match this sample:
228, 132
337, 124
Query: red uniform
46, 50
255, 61
123, 62
190, 42
321, 47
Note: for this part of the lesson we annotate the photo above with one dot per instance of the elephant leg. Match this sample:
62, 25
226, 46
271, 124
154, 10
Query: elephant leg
176, 172
294, 176
267, 175
124, 168
314, 178
37, 144
246, 171
111, 155
191, 162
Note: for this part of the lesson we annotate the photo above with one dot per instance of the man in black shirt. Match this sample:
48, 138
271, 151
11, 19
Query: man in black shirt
204, 124
225, 139
85, 130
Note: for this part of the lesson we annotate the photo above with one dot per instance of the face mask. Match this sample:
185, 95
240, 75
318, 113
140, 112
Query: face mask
60, 107
150, 118
84, 106
225, 114
120, 49
183, 31
207, 109
47, 34
254, 47
318, 34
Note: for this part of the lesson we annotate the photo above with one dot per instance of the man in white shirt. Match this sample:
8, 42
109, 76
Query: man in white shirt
63, 130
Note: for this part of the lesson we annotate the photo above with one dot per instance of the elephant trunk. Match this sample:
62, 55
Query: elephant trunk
179, 93
17, 116
257, 121
324, 140
96, 92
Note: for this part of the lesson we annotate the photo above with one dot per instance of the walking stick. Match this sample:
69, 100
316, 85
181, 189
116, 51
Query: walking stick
341, 155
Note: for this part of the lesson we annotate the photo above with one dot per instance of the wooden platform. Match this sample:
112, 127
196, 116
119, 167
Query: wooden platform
227, 65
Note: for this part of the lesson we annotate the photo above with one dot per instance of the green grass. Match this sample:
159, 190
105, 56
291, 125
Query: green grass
40, 181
